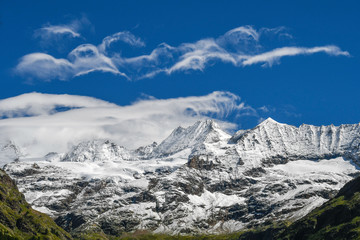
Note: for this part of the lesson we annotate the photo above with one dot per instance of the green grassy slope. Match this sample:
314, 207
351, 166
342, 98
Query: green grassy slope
338, 218
19, 221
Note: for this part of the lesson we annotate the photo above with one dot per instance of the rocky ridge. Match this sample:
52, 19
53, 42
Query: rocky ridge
198, 180
19, 221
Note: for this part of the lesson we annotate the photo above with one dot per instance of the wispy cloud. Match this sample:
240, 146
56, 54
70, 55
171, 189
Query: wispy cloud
241, 47
87, 58
244, 31
44, 66
273, 56
196, 55
57, 30
33, 120
49, 31
82, 60
126, 37
40, 104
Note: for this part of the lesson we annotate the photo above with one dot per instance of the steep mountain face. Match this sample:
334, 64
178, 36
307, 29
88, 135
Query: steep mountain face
199, 138
198, 180
9, 152
18, 220
272, 142
97, 151
336, 219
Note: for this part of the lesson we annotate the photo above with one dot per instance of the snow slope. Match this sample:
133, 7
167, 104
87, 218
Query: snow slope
199, 179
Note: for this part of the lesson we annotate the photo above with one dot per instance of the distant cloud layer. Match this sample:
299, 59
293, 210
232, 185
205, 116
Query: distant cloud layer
40, 104
241, 47
41, 123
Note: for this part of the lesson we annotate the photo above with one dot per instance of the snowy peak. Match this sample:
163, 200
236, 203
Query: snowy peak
97, 151
146, 150
268, 121
270, 124
198, 134
206, 130
271, 139
272, 172
267, 124
8, 152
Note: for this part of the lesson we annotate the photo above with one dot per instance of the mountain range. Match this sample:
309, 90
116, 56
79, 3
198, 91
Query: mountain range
199, 180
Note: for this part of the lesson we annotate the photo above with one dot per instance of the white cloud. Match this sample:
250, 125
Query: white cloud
34, 124
82, 60
241, 47
60, 36
269, 58
264, 109
125, 37
44, 66
57, 30
50, 32
244, 32
36, 104
197, 55
163, 53
87, 58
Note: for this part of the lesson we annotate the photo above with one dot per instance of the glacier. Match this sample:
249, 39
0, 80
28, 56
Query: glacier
199, 179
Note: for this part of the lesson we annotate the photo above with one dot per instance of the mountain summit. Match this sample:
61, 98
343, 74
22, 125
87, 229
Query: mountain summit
198, 180
193, 137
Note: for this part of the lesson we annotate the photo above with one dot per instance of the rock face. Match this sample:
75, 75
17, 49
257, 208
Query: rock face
97, 151
336, 219
9, 152
273, 141
18, 220
198, 180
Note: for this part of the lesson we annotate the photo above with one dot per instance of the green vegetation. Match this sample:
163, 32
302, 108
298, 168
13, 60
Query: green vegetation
338, 218
144, 235
19, 221
261, 233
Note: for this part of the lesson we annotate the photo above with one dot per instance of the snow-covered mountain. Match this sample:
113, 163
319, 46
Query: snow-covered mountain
9, 152
199, 179
199, 137
272, 140
97, 151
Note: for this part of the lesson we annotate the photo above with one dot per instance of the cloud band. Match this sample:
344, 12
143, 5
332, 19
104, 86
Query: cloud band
241, 47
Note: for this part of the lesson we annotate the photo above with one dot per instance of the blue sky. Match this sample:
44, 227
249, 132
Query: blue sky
315, 82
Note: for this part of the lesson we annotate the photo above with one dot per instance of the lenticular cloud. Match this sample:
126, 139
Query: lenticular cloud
240, 47
33, 121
